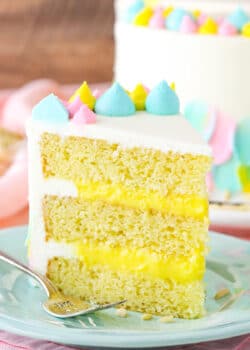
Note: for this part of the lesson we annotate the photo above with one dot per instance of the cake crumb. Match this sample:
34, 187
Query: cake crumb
147, 317
167, 319
221, 293
122, 312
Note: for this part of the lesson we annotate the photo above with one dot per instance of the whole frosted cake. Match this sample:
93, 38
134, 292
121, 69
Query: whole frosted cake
204, 48
118, 201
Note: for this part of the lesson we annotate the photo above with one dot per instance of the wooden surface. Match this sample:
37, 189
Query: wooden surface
68, 40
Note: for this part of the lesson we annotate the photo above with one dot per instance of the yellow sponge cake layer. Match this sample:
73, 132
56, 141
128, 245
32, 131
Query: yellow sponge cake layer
100, 284
71, 220
91, 160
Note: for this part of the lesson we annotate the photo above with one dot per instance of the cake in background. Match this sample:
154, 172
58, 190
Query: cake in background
13, 174
204, 47
118, 200
8, 144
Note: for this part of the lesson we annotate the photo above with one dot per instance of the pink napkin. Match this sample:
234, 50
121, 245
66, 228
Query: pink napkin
10, 341
14, 342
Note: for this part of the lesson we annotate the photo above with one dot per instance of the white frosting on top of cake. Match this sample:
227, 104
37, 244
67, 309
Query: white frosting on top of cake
164, 133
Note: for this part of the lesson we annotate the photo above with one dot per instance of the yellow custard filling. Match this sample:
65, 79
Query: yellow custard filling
179, 205
177, 268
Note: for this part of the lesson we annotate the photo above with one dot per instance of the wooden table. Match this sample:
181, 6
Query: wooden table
66, 40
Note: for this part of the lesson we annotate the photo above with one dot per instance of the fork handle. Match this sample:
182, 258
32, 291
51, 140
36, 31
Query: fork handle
45, 282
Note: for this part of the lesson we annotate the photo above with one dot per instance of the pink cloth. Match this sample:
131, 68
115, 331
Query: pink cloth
10, 341
14, 342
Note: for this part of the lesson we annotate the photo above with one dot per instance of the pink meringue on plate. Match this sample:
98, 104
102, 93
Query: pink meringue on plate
227, 29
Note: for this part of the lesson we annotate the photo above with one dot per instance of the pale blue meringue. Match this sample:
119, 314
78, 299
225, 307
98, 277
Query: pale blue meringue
238, 18
50, 109
173, 21
226, 177
202, 117
242, 141
132, 11
115, 102
162, 100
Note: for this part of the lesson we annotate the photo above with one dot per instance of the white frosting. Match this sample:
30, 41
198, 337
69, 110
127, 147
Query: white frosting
43, 253
58, 187
165, 133
214, 69
37, 244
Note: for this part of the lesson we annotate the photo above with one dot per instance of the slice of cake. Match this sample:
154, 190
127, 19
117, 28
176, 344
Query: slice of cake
118, 201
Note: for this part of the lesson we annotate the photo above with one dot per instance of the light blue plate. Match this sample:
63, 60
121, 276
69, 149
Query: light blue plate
228, 266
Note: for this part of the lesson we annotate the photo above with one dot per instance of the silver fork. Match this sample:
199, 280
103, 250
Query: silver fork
58, 304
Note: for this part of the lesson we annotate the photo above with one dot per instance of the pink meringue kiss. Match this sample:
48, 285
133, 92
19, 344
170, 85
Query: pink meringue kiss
188, 25
221, 141
97, 93
202, 19
219, 20
14, 185
227, 29
74, 106
19, 105
84, 116
157, 21
146, 88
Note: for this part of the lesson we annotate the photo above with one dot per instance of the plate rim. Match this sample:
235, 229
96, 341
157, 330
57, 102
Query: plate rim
126, 340
116, 338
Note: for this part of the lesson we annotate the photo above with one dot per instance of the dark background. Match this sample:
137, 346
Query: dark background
66, 40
